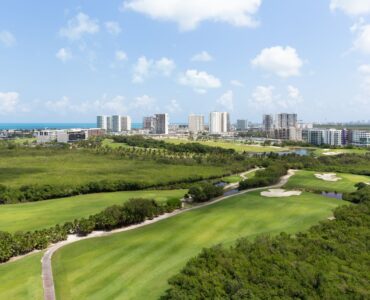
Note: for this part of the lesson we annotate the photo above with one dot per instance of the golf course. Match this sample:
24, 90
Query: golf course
136, 264
44, 214
307, 180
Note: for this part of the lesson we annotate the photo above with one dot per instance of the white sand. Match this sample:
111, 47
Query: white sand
328, 177
332, 153
278, 193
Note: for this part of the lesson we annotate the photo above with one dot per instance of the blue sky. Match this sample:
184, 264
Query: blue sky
67, 61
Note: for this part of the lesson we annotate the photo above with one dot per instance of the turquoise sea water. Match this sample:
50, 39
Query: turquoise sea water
30, 126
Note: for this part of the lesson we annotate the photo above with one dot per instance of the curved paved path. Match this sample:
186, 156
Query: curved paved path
47, 272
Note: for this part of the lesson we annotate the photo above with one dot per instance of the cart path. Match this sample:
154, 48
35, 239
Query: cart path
47, 272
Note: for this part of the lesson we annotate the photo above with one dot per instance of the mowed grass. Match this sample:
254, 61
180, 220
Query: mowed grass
21, 280
44, 214
307, 180
239, 147
322, 152
76, 167
137, 264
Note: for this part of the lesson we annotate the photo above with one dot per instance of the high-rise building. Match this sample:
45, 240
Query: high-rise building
101, 122
268, 122
161, 123
219, 122
241, 125
125, 123
116, 123
196, 123
285, 120
109, 123
359, 138
149, 123
332, 137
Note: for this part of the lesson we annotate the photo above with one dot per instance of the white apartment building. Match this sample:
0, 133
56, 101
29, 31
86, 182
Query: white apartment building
116, 123
46, 136
285, 120
161, 124
332, 137
126, 123
360, 138
102, 122
149, 123
219, 122
196, 123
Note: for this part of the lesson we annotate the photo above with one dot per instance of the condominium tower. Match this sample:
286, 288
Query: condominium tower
219, 122
196, 123
161, 123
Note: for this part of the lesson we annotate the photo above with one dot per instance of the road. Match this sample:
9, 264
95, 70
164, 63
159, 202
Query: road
47, 272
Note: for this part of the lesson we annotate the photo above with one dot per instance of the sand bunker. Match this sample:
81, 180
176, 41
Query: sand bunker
328, 177
332, 153
277, 193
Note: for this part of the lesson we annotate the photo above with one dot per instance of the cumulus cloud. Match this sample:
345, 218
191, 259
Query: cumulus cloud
199, 81
190, 13
351, 7
267, 97
144, 102
8, 102
203, 56
120, 55
64, 54
284, 62
174, 106
7, 38
113, 28
227, 100
78, 26
362, 40
147, 67
236, 83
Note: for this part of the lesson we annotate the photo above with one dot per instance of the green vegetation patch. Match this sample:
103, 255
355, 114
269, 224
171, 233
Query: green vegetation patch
307, 180
44, 214
138, 263
21, 279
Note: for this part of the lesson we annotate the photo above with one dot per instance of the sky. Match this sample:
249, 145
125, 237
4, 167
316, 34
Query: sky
68, 61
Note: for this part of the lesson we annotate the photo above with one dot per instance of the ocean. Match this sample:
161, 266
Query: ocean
30, 126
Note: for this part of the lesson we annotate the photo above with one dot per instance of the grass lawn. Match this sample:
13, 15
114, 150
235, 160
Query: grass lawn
307, 180
44, 214
231, 179
232, 145
138, 263
75, 167
21, 280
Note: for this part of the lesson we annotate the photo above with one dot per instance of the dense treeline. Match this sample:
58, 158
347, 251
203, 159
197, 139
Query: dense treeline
205, 191
330, 261
142, 142
269, 176
132, 212
361, 195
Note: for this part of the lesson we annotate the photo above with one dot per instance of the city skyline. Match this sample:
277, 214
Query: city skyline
70, 61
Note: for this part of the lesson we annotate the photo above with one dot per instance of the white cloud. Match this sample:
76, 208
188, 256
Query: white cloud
144, 102
190, 13
236, 83
78, 26
148, 67
227, 100
351, 7
7, 38
364, 95
266, 97
362, 40
173, 107
364, 69
281, 61
203, 56
120, 55
165, 66
113, 27
8, 102
64, 54
199, 81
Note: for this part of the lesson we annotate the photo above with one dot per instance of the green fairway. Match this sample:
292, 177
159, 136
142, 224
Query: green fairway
137, 264
239, 147
65, 167
21, 280
307, 180
44, 214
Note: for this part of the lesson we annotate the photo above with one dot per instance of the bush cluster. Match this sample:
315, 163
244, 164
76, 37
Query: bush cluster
330, 261
266, 177
131, 212
205, 191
